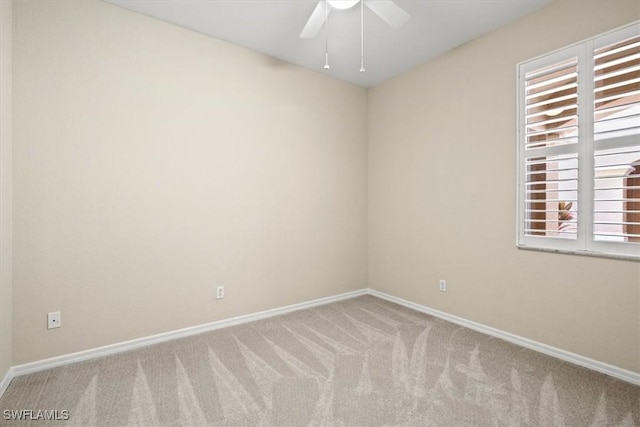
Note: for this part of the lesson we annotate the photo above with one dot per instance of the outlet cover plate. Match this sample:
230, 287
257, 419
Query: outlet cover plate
54, 320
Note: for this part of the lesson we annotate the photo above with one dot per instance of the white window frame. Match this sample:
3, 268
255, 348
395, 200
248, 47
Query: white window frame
584, 244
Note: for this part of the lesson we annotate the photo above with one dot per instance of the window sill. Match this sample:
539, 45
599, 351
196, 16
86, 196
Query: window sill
581, 253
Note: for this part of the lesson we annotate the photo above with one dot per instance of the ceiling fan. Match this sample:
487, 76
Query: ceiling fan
390, 12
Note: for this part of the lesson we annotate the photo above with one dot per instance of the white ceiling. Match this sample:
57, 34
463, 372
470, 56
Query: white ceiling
273, 27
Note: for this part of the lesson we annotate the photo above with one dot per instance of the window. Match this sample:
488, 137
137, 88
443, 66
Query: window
579, 148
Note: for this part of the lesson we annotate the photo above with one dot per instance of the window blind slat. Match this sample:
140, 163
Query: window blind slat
553, 101
603, 53
624, 59
617, 72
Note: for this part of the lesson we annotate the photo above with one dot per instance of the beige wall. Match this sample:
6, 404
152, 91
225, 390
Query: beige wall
6, 331
442, 187
153, 163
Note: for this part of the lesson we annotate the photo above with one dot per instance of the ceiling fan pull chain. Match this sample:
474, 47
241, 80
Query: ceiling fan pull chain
326, 40
362, 69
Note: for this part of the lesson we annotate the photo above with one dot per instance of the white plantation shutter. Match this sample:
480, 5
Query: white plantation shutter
579, 147
616, 215
552, 105
550, 150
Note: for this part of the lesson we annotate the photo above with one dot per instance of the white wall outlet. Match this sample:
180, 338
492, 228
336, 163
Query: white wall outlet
220, 292
443, 286
54, 320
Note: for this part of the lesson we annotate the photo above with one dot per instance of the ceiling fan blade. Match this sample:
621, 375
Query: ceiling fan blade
388, 11
316, 20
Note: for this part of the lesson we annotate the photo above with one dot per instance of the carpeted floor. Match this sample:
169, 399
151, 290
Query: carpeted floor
362, 361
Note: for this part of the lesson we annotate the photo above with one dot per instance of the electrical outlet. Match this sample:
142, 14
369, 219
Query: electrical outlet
54, 320
220, 292
443, 286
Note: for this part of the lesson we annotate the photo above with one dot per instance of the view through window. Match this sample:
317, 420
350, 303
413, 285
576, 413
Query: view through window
579, 147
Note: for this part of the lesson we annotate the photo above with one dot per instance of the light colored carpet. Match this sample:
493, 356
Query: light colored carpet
362, 361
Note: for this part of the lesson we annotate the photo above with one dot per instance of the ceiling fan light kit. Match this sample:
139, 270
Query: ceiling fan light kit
387, 10
342, 4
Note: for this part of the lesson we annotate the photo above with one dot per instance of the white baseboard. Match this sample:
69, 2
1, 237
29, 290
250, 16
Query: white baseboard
40, 365
605, 368
6, 380
93, 353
